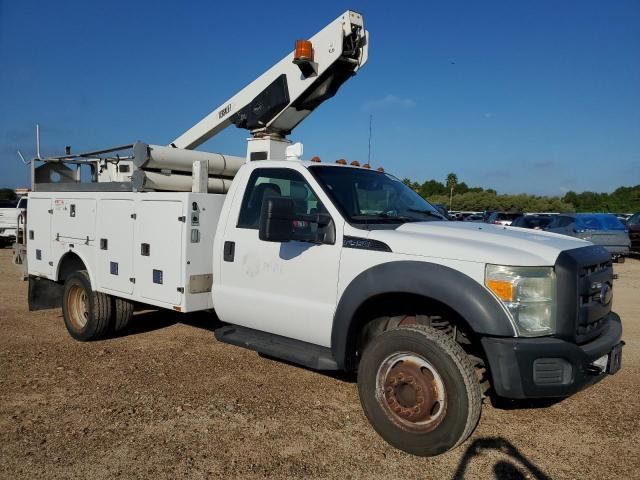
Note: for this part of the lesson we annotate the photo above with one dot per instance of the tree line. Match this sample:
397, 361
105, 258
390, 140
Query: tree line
460, 196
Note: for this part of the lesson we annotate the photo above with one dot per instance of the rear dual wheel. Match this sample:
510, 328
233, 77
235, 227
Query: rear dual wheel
87, 313
419, 390
90, 315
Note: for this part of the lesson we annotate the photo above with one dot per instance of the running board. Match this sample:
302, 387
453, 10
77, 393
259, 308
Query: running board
287, 349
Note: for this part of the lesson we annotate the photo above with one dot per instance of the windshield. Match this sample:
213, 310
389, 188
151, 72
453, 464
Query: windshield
367, 196
598, 222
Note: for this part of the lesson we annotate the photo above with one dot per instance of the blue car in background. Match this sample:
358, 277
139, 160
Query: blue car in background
600, 228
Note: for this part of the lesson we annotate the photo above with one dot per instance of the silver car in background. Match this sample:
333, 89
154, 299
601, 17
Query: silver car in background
600, 228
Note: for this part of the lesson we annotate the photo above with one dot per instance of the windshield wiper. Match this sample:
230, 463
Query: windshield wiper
430, 213
386, 217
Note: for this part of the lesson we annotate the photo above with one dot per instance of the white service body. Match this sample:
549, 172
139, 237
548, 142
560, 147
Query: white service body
109, 230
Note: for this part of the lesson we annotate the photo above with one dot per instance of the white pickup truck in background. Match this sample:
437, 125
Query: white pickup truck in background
322, 264
10, 210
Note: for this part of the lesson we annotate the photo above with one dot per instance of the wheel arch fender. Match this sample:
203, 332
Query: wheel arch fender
70, 262
472, 301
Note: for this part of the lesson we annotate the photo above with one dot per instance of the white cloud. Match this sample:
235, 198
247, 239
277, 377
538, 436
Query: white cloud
389, 102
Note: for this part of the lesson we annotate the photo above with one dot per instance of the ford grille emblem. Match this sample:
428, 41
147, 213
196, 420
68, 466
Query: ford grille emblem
606, 294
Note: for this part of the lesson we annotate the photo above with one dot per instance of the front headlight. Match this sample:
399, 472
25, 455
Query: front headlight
529, 295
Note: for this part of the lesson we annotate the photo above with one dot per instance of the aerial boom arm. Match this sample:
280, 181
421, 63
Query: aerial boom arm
291, 89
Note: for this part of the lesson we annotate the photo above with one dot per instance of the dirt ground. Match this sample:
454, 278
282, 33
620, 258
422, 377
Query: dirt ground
165, 400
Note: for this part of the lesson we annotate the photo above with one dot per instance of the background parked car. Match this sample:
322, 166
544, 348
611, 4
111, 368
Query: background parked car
600, 228
536, 222
502, 218
633, 224
476, 217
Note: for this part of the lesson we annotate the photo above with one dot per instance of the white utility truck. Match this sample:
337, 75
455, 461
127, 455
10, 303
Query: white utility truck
327, 265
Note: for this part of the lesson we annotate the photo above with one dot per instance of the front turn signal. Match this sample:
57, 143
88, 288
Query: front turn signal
502, 288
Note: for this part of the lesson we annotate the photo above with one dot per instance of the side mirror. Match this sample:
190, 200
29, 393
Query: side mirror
276, 220
280, 223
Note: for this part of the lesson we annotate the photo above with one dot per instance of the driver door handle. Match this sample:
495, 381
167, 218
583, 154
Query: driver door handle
229, 251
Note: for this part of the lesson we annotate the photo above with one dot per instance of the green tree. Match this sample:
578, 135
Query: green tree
452, 181
432, 187
7, 194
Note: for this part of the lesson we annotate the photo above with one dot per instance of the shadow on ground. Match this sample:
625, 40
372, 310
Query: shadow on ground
149, 320
512, 466
528, 404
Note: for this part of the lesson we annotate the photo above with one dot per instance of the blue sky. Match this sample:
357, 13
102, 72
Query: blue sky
537, 97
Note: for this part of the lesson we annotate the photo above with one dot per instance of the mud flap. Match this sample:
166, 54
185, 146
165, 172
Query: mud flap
44, 294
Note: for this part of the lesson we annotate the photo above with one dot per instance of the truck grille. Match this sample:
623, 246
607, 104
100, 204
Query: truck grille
592, 312
585, 280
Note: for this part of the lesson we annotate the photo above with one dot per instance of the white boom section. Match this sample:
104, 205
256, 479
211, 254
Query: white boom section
176, 159
285, 94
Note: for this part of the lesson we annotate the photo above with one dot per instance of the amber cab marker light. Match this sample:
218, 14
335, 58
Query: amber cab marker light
355, 163
380, 169
366, 165
342, 161
315, 159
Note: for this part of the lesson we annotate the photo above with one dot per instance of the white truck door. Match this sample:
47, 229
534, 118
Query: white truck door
288, 288
114, 266
39, 252
158, 250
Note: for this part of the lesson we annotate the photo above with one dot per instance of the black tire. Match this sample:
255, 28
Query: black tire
87, 314
121, 312
419, 390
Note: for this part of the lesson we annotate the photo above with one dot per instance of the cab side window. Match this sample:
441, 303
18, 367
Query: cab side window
276, 182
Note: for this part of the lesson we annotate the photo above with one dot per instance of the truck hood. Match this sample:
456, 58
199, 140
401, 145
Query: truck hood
478, 242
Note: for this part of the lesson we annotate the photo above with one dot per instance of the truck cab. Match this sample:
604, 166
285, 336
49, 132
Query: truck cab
342, 257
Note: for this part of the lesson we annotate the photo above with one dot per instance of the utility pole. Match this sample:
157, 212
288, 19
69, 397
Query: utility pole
369, 155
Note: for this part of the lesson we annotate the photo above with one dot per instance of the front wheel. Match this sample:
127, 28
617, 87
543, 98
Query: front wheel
419, 390
86, 313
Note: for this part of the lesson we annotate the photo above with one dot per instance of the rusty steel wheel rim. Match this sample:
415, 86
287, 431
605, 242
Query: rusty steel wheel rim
78, 306
411, 392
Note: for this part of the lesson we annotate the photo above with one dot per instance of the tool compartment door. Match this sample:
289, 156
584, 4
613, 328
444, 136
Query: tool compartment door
39, 237
158, 250
73, 220
115, 245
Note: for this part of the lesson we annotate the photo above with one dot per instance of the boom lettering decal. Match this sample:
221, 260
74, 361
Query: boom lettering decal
224, 111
